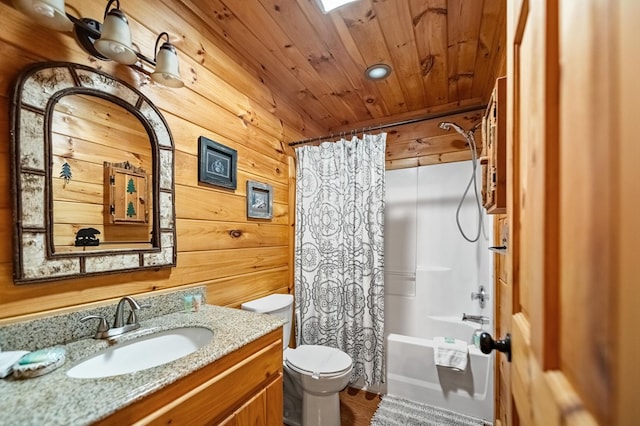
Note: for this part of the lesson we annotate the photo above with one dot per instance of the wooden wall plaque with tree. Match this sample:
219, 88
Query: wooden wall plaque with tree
126, 194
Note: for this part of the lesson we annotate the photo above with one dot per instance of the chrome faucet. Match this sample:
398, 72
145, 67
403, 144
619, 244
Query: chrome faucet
480, 319
118, 321
119, 325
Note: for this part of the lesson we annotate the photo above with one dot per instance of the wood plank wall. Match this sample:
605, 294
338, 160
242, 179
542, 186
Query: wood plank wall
423, 143
222, 100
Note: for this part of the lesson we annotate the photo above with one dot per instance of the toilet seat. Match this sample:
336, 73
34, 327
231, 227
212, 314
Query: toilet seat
318, 361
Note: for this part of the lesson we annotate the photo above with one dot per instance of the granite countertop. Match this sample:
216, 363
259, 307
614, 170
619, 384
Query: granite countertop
56, 399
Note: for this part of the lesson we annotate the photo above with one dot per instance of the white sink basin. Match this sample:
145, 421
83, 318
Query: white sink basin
142, 353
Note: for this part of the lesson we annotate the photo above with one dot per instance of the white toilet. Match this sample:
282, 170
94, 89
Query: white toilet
313, 374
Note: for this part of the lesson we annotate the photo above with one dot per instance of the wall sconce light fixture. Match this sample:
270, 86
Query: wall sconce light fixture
167, 72
115, 37
109, 40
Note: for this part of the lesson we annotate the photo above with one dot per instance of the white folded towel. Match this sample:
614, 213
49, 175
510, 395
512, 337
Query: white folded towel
451, 353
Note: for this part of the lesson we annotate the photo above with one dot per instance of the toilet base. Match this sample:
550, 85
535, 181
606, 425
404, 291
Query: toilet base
292, 398
321, 410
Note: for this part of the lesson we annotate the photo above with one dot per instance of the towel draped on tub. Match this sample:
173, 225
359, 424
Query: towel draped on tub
451, 353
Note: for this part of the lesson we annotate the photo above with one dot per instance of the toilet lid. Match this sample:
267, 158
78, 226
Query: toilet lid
318, 360
267, 304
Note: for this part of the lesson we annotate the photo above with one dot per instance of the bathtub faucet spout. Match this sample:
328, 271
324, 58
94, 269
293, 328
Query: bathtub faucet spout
480, 319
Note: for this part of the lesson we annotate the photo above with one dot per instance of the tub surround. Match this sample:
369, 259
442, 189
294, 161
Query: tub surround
56, 399
430, 273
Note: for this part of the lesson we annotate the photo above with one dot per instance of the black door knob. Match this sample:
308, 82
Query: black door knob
487, 344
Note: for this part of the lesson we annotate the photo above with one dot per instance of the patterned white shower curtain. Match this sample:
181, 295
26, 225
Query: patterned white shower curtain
339, 262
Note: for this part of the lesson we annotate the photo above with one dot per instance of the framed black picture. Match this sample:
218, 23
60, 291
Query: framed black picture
217, 163
259, 200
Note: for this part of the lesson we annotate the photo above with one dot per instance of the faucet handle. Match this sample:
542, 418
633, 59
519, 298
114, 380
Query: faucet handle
482, 296
103, 325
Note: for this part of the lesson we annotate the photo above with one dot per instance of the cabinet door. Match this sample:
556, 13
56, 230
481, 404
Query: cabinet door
275, 402
254, 411
263, 409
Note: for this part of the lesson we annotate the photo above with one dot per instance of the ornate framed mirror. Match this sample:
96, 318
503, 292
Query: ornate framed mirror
92, 176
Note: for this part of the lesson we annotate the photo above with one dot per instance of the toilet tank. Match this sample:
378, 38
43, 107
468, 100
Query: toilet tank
280, 305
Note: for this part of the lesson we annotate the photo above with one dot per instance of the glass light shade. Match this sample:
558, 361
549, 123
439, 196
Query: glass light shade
328, 5
48, 13
167, 70
115, 41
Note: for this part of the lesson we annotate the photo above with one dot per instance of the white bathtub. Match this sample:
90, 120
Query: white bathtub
412, 374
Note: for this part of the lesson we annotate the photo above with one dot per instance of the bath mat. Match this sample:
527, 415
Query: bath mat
395, 411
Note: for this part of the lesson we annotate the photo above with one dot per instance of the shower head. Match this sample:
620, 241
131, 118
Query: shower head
447, 125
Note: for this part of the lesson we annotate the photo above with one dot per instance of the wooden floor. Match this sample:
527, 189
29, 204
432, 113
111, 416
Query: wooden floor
357, 407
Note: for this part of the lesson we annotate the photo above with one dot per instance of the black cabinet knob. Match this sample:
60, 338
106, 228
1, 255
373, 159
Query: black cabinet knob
487, 344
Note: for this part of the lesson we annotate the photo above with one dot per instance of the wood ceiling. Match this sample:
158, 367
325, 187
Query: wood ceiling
445, 54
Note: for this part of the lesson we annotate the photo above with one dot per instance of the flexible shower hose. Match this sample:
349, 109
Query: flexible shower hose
474, 162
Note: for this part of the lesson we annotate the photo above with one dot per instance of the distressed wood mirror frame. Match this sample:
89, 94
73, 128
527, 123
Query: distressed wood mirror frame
35, 96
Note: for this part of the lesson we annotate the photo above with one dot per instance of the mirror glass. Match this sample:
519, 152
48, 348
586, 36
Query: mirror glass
92, 176
96, 145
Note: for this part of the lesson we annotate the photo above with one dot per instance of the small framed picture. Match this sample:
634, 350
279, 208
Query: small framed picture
259, 200
216, 163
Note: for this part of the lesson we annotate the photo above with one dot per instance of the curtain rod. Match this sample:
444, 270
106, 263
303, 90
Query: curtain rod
384, 126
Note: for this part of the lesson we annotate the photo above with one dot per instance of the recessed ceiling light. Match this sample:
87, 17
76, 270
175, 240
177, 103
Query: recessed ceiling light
328, 5
378, 71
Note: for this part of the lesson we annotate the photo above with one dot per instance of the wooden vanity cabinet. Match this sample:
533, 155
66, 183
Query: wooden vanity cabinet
494, 156
243, 387
252, 412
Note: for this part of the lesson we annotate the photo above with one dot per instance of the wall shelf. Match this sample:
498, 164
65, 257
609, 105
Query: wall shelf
493, 158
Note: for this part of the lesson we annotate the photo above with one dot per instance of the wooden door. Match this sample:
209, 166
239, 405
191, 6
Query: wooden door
573, 186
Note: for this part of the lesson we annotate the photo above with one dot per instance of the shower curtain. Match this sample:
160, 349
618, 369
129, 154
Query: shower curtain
339, 250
